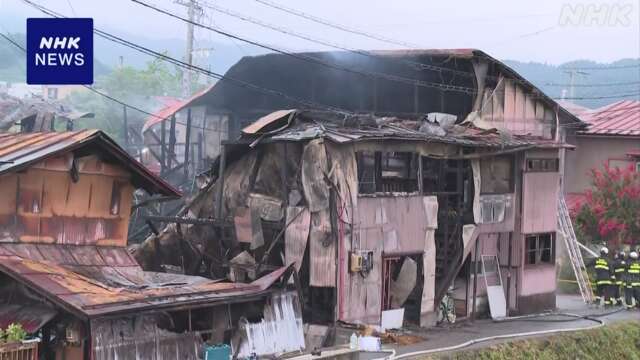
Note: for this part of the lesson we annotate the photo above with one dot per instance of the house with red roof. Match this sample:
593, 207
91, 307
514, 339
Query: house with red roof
612, 138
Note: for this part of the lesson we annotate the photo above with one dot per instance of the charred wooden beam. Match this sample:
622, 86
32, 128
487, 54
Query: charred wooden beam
163, 138
187, 145
172, 141
184, 220
163, 148
221, 181
151, 201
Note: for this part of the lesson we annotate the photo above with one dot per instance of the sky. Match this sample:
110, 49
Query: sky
548, 31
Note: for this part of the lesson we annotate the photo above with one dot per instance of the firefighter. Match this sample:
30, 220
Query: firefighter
603, 277
633, 279
619, 271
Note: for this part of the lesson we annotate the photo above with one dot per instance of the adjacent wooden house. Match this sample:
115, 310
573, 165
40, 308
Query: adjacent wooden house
65, 273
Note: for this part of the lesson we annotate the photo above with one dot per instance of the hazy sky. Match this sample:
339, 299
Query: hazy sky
508, 29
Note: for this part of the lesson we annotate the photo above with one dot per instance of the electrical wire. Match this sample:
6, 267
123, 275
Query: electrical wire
596, 84
209, 73
314, 60
109, 97
613, 67
328, 23
182, 64
420, 83
614, 96
413, 64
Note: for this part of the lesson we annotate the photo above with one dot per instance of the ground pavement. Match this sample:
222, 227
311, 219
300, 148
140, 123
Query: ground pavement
440, 337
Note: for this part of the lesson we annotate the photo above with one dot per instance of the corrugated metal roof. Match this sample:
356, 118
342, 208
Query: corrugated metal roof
96, 286
20, 150
313, 124
619, 118
172, 108
32, 318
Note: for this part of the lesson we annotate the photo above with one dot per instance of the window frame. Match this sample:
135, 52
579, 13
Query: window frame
374, 183
512, 183
544, 165
538, 250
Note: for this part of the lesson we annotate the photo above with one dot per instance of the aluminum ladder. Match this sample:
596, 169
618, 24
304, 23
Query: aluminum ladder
573, 250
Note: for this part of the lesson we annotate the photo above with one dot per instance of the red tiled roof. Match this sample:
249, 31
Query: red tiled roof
620, 118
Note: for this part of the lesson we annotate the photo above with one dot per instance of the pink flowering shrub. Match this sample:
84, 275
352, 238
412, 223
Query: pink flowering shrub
611, 211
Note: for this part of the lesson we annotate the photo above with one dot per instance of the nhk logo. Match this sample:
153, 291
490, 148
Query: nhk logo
596, 14
60, 51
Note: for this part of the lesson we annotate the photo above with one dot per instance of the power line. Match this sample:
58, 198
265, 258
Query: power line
568, 126
310, 59
614, 96
413, 64
604, 67
209, 73
133, 107
185, 65
597, 84
328, 23
73, 11
444, 87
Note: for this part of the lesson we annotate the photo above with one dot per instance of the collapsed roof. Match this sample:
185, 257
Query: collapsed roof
299, 125
393, 82
95, 281
14, 110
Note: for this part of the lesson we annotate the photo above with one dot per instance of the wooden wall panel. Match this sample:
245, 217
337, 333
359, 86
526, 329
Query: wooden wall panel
51, 208
540, 202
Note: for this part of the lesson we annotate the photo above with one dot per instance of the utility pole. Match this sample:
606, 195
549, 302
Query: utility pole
193, 10
572, 78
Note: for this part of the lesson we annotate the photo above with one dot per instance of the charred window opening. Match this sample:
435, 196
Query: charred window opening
542, 165
116, 190
496, 175
401, 275
540, 249
387, 172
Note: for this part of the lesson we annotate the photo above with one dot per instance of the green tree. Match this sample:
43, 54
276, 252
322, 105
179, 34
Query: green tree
136, 87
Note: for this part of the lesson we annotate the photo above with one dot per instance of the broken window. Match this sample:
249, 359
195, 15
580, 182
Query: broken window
539, 249
366, 172
542, 165
496, 175
385, 172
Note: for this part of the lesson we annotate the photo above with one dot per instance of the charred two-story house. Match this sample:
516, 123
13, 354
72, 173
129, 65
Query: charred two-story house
387, 184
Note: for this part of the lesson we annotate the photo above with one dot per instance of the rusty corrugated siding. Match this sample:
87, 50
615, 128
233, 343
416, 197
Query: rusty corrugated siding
20, 150
79, 279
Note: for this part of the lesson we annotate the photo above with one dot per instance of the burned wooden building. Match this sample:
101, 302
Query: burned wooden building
381, 213
407, 173
67, 277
